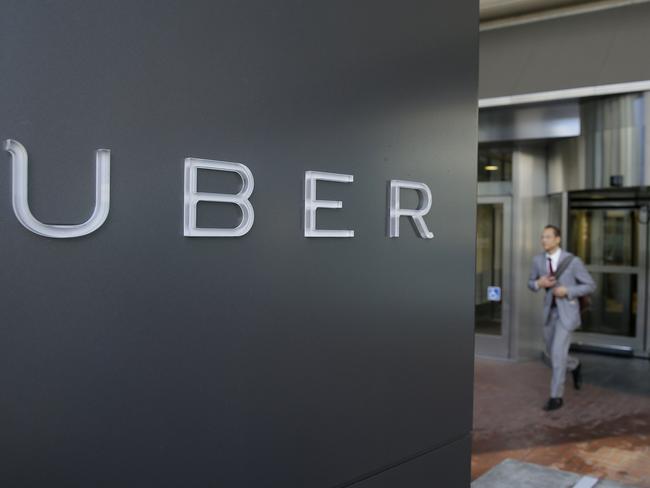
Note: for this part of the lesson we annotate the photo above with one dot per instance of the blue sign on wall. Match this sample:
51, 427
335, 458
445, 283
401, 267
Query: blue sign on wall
494, 293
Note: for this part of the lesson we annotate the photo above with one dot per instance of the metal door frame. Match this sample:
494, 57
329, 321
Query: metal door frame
491, 345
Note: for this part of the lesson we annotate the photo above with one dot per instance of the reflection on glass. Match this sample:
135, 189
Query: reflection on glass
605, 236
494, 163
489, 266
613, 306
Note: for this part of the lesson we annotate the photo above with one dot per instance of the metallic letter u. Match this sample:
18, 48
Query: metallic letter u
21, 203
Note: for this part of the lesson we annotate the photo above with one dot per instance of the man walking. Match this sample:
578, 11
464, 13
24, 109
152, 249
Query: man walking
564, 279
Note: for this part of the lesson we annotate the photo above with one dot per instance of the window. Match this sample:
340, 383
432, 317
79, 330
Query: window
494, 163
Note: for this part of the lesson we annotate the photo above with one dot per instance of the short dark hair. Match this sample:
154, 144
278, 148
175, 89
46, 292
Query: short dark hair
555, 229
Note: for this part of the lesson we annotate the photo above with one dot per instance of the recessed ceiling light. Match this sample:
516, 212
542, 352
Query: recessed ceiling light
491, 167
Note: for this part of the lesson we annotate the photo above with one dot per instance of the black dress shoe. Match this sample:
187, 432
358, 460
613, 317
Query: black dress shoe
553, 404
577, 377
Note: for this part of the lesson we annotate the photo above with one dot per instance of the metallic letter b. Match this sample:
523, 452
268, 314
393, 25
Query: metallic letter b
193, 197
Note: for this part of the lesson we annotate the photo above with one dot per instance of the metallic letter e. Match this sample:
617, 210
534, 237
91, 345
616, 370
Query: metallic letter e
311, 204
416, 214
193, 197
21, 201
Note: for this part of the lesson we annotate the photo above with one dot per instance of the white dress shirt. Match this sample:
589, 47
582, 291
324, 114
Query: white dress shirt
555, 258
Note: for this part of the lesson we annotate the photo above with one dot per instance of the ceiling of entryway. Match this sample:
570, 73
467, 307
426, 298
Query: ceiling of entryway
500, 9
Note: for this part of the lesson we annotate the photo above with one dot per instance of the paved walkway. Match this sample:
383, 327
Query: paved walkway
602, 430
515, 474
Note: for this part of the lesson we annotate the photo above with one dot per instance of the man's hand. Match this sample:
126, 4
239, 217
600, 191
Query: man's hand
546, 282
560, 291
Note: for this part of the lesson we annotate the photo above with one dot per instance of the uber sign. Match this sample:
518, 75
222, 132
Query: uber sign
193, 197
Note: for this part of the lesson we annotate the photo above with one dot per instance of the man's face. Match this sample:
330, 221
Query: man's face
549, 240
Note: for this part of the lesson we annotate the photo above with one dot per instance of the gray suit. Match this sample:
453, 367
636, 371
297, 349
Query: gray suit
562, 319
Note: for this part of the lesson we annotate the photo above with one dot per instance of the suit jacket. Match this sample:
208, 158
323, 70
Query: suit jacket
576, 279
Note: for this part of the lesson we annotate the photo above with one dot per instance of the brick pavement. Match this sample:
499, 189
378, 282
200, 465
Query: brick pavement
603, 430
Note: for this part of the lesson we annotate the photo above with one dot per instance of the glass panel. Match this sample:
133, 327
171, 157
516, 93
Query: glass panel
489, 266
494, 163
605, 236
613, 306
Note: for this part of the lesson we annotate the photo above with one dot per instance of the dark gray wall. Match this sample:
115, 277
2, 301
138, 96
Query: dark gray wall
135, 357
599, 48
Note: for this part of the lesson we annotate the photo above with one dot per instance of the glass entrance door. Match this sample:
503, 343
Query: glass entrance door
492, 284
611, 240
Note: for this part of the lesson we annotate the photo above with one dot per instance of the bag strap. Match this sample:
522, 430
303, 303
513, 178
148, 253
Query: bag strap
563, 266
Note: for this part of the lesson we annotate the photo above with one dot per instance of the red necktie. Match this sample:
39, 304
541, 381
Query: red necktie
552, 273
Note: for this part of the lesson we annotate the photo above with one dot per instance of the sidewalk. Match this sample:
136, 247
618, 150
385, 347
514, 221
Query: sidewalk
515, 474
602, 430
